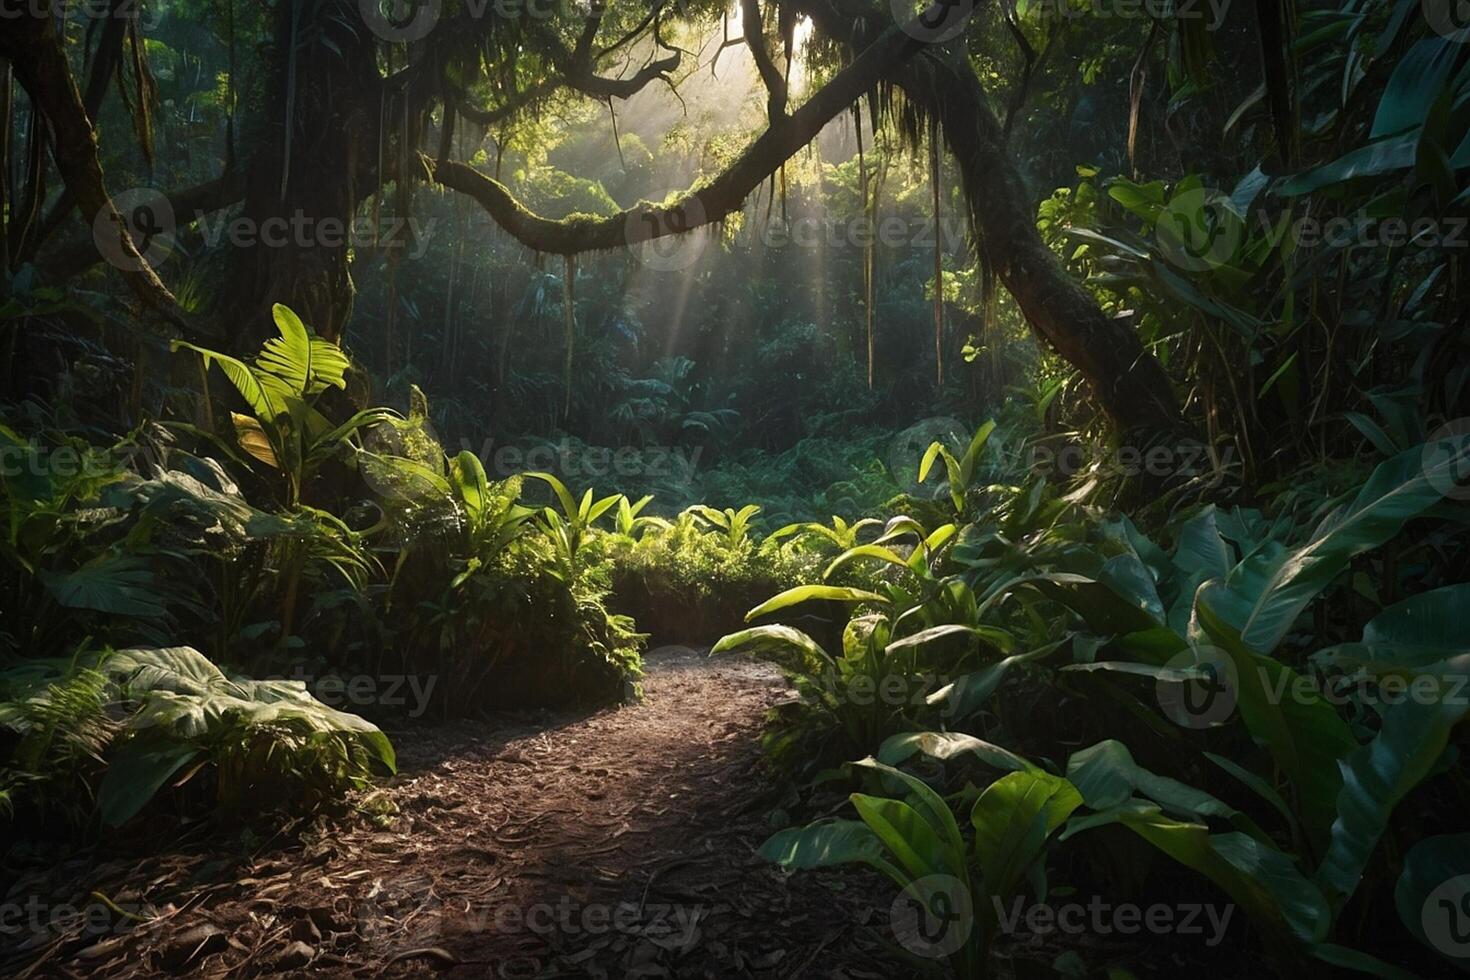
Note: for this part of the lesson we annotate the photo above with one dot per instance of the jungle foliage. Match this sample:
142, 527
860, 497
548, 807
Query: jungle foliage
1100, 519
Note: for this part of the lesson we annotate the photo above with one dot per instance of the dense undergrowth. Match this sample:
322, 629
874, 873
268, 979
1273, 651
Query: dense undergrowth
1041, 658
320, 552
1250, 692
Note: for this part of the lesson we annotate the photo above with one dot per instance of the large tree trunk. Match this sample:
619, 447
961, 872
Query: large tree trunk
313, 163
1127, 380
38, 57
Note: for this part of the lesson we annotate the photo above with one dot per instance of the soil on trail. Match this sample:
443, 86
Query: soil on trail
620, 843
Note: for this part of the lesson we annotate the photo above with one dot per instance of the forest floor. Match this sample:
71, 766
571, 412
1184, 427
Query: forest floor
618, 843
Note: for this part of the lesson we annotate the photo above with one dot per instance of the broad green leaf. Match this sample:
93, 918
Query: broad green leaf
136, 773
1429, 866
972, 453
829, 844
1256, 783
898, 749
928, 803
568, 502
1419, 77
469, 481
1399, 489
1300, 729
964, 696
907, 836
775, 638
992, 635
865, 551
1108, 607
1423, 629
1107, 776
265, 396
1285, 907
1375, 777
1013, 818
123, 585
1383, 156
1201, 555
811, 593
930, 455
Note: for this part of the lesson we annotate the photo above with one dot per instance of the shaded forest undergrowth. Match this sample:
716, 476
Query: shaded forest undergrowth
638, 863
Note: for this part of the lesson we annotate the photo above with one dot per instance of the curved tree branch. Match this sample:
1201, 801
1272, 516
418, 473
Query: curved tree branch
702, 205
578, 75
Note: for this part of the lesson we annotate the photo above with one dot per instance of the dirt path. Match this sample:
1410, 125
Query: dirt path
616, 844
